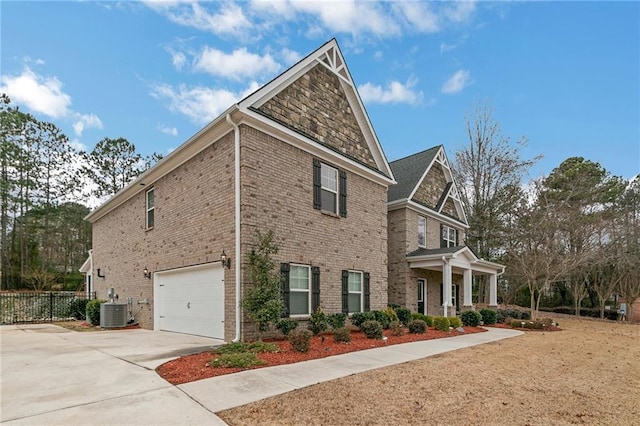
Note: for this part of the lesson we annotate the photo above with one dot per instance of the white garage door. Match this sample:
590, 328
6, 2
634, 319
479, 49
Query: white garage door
190, 300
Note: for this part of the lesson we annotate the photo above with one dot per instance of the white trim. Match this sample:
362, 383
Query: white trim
323, 188
423, 220
237, 224
148, 209
423, 282
420, 209
308, 291
450, 242
349, 292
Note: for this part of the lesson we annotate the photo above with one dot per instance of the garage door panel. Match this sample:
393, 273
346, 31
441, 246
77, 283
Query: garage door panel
191, 301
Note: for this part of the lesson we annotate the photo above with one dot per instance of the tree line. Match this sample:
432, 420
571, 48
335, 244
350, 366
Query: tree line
46, 187
576, 229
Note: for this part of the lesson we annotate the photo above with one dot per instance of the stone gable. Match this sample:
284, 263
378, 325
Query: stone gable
449, 209
316, 106
430, 190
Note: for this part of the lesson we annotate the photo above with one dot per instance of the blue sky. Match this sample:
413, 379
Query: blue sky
565, 75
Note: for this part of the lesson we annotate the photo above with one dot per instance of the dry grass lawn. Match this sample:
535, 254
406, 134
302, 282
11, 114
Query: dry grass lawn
589, 373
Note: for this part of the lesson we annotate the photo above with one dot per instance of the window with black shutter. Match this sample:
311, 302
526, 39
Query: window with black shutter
284, 287
329, 188
315, 288
300, 288
355, 291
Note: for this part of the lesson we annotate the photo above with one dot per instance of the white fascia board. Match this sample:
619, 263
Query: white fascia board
422, 210
496, 267
208, 135
283, 133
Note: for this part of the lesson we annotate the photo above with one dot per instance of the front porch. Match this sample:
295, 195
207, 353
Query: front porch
449, 267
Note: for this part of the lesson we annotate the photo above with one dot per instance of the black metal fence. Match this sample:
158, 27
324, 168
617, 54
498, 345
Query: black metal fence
45, 306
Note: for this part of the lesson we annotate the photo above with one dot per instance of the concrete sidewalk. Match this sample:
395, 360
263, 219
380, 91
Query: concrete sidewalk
224, 392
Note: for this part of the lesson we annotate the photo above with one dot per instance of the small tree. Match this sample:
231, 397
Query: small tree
263, 302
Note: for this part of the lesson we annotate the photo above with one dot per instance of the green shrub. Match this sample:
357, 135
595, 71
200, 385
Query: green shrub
287, 325
237, 360
372, 329
417, 326
337, 321
300, 340
471, 318
93, 311
240, 347
78, 309
342, 334
404, 315
489, 316
318, 322
441, 323
359, 317
391, 314
382, 318
455, 322
396, 328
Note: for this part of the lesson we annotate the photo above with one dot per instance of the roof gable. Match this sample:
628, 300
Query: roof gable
317, 99
426, 179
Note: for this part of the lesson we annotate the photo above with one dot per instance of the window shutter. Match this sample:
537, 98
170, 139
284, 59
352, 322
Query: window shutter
284, 289
458, 296
367, 293
315, 288
457, 238
443, 243
441, 294
317, 188
345, 291
343, 193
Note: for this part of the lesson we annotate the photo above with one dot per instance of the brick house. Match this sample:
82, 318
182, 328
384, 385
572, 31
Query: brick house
430, 269
298, 156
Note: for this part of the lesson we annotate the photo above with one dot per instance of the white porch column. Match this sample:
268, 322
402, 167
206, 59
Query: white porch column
446, 287
468, 287
493, 290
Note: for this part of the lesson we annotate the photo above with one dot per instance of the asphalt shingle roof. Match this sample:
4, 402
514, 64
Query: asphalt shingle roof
427, 252
408, 171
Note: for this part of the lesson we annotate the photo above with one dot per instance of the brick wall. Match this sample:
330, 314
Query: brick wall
193, 224
277, 194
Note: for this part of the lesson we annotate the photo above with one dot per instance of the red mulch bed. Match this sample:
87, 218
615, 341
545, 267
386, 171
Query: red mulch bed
194, 367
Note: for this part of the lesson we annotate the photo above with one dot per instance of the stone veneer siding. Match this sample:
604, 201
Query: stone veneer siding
193, 224
277, 194
316, 105
430, 189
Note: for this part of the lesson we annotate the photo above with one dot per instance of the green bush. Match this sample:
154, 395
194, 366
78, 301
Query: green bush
382, 318
78, 309
237, 360
239, 347
441, 323
455, 322
300, 340
391, 314
287, 325
318, 322
359, 317
337, 321
404, 315
342, 334
93, 311
396, 328
471, 318
489, 316
536, 325
372, 329
504, 314
417, 326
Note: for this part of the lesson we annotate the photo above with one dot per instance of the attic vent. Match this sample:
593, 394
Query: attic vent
113, 315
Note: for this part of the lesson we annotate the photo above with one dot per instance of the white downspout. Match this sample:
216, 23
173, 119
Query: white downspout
236, 180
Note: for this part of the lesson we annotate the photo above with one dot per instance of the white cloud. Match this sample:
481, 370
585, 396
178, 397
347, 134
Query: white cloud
457, 82
39, 94
395, 92
378, 55
419, 16
289, 56
444, 47
85, 121
178, 59
200, 104
172, 131
236, 65
459, 11
229, 21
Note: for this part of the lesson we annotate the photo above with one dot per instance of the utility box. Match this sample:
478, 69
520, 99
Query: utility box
113, 315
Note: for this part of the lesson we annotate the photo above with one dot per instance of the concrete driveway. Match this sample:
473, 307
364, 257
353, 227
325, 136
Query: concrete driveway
51, 375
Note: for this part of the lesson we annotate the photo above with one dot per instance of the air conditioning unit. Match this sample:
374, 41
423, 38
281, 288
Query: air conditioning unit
113, 315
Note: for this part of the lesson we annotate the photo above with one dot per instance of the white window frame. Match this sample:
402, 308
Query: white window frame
361, 292
150, 209
422, 284
325, 167
297, 290
447, 232
422, 223
454, 290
